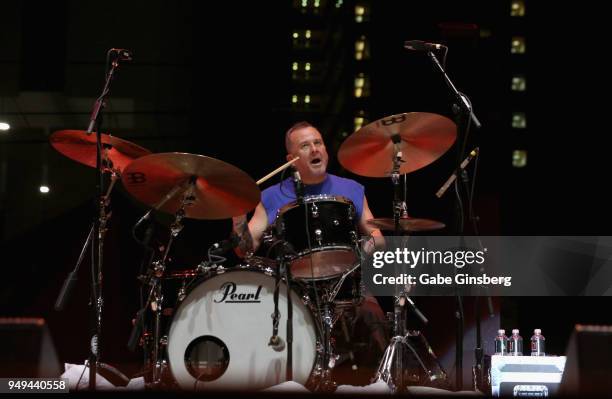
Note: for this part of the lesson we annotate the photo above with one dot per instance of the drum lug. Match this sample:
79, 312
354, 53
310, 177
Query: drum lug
268, 271
318, 236
314, 211
182, 293
354, 236
332, 361
163, 340
335, 222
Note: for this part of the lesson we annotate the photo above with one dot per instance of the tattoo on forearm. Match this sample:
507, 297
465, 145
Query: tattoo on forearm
246, 241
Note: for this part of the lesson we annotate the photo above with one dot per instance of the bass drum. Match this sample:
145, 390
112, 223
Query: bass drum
219, 335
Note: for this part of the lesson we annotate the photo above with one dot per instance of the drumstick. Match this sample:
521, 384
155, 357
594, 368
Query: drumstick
275, 171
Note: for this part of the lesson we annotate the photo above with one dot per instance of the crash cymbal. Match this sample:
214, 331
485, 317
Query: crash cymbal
422, 138
219, 189
81, 147
406, 224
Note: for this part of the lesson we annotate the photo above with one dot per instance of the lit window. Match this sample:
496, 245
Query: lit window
304, 3
359, 122
296, 35
294, 99
519, 158
360, 45
362, 85
361, 13
307, 66
338, 3
519, 120
307, 99
295, 66
4, 126
519, 83
317, 3
518, 45
359, 81
517, 8
308, 34
361, 48
44, 189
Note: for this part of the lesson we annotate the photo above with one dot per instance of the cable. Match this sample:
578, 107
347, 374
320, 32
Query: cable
82, 374
471, 197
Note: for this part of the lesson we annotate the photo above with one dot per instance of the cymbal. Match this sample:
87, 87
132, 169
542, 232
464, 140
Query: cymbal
406, 224
81, 147
219, 189
422, 138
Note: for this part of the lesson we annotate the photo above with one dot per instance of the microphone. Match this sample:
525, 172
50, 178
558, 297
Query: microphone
298, 184
223, 246
123, 54
277, 343
452, 178
419, 45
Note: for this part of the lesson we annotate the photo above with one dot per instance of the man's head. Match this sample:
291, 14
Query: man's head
304, 140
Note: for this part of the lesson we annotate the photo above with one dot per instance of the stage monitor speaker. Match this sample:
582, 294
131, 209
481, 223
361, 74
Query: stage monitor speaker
589, 361
27, 349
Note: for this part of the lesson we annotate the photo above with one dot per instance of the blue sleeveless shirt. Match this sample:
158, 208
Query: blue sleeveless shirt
275, 197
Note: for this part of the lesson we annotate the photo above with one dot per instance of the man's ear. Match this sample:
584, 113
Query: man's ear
290, 157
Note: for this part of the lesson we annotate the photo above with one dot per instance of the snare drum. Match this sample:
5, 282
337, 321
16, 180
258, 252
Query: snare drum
220, 332
323, 233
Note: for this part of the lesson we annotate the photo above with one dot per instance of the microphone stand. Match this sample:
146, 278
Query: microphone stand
462, 105
478, 368
97, 231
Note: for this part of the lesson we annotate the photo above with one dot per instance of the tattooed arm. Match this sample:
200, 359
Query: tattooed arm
250, 233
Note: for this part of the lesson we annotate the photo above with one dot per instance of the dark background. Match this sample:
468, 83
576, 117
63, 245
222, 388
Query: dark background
215, 78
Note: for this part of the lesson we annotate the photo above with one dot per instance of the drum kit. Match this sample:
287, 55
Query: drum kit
209, 327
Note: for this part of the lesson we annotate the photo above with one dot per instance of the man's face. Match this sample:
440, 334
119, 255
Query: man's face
307, 144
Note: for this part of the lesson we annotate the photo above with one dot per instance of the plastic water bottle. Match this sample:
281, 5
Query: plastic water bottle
501, 343
537, 343
515, 345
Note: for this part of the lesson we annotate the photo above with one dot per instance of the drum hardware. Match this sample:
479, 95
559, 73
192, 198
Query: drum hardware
391, 368
155, 299
328, 250
212, 342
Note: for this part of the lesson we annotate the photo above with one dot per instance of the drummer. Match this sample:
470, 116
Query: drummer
304, 141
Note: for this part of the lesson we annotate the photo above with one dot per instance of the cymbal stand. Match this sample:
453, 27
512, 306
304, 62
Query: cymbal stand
95, 239
71, 279
155, 297
393, 358
399, 205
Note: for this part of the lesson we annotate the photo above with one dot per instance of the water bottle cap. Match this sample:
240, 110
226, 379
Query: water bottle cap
501, 331
515, 331
537, 331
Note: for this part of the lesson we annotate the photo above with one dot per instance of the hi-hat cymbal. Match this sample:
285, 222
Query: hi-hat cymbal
219, 189
406, 224
421, 137
81, 147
